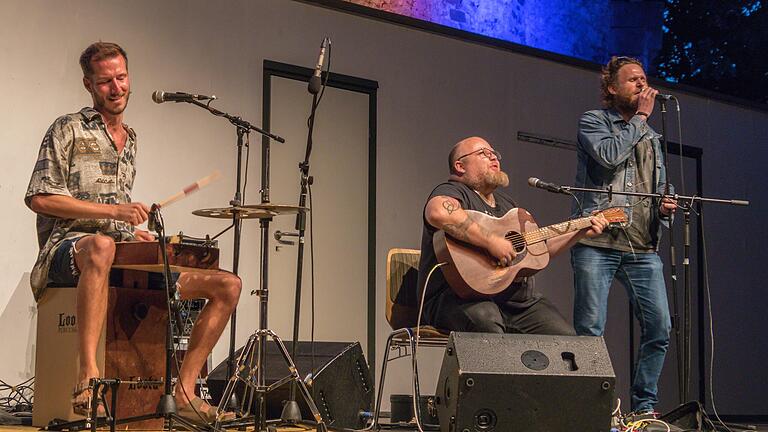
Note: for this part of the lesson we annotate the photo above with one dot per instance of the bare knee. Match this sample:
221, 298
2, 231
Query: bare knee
96, 251
228, 291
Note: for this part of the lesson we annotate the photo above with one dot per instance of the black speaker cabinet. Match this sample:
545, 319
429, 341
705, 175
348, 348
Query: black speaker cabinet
341, 384
527, 383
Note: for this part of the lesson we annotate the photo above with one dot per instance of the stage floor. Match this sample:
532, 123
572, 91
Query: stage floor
280, 429
760, 428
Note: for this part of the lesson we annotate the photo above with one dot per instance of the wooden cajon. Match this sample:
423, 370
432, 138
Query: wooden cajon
132, 346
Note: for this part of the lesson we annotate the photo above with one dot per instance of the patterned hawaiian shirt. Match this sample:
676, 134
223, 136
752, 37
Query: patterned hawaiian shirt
78, 158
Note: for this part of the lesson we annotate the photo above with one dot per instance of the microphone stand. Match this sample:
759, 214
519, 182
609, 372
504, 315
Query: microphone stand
258, 340
686, 208
291, 413
691, 199
237, 121
166, 407
682, 359
243, 128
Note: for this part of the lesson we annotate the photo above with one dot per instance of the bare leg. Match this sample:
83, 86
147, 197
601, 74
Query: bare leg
93, 258
222, 290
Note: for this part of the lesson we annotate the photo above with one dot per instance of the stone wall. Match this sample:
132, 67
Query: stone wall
591, 30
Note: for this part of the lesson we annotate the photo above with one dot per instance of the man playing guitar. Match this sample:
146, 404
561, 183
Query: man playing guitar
475, 176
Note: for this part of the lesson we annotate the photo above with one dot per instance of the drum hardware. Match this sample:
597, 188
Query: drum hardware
279, 237
264, 212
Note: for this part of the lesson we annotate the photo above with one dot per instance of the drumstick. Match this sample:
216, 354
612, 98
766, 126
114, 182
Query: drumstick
203, 182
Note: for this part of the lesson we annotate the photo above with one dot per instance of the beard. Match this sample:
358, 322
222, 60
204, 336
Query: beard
625, 103
488, 179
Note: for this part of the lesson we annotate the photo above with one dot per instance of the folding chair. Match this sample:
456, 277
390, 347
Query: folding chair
402, 313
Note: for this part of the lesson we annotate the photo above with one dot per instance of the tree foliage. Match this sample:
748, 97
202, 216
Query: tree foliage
717, 45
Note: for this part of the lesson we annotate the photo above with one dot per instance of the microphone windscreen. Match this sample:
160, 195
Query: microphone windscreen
315, 84
158, 96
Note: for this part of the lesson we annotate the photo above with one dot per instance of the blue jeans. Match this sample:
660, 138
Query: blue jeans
642, 275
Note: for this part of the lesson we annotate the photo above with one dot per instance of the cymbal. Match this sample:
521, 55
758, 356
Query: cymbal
237, 212
276, 208
249, 211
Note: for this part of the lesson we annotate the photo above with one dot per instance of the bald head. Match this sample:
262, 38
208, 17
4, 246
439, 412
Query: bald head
463, 147
474, 162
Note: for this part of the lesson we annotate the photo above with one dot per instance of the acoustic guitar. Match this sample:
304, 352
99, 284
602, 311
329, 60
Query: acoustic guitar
473, 273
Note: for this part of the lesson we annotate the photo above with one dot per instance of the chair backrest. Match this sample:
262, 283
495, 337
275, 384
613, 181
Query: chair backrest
402, 281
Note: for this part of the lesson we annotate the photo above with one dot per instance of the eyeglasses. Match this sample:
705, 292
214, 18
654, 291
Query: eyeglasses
485, 151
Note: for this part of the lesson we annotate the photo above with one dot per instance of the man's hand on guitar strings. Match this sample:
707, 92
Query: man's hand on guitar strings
501, 249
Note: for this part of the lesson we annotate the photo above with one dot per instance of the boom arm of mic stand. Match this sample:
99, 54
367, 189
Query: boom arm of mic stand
609, 191
237, 121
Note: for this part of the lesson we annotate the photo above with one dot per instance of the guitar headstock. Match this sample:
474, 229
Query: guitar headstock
614, 215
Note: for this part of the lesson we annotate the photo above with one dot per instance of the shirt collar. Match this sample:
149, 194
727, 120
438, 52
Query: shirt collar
614, 116
90, 114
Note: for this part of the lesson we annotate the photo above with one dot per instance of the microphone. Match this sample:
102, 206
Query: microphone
160, 96
663, 97
315, 82
549, 187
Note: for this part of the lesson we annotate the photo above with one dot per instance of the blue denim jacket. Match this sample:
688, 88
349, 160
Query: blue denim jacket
606, 156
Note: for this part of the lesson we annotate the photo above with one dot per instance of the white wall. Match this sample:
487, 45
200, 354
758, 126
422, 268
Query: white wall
433, 91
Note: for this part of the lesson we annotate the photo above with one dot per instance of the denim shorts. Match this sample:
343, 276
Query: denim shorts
63, 271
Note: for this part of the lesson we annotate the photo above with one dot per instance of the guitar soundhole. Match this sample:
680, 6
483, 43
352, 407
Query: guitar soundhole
518, 242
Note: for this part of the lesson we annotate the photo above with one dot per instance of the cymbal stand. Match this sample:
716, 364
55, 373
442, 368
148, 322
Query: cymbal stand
250, 376
257, 389
243, 128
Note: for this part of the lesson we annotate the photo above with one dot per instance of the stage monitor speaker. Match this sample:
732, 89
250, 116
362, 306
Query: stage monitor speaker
340, 385
510, 382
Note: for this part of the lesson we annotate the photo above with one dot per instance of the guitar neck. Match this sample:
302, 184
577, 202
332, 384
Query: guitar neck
558, 229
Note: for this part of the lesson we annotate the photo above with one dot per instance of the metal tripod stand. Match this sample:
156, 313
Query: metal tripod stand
249, 374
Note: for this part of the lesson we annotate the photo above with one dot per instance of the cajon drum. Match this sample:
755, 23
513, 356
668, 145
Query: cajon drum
132, 346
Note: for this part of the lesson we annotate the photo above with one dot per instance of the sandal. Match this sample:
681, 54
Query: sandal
198, 410
82, 397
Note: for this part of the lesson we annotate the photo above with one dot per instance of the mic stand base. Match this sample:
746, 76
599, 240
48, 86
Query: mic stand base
291, 413
249, 364
167, 405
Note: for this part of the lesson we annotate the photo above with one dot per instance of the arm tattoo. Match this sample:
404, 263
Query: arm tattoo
449, 206
459, 230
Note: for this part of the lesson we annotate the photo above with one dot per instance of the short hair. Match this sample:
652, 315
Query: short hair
99, 51
609, 74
